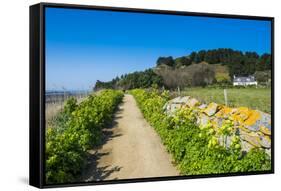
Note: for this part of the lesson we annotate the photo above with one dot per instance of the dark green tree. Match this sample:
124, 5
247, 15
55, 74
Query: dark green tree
169, 61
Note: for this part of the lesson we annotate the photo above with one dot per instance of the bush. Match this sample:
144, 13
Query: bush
196, 150
76, 130
222, 78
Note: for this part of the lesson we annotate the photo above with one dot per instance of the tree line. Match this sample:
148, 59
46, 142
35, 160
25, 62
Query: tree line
238, 63
141, 79
187, 70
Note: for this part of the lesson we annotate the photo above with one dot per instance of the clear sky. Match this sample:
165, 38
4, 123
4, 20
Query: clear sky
83, 46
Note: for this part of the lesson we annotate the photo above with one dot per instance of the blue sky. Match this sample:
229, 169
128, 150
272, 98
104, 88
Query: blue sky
83, 46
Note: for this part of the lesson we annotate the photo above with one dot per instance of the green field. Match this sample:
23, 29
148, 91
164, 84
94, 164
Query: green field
254, 98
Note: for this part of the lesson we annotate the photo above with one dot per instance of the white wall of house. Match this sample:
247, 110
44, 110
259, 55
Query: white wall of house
244, 83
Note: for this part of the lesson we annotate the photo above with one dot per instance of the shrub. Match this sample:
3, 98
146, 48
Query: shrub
222, 78
196, 150
76, 130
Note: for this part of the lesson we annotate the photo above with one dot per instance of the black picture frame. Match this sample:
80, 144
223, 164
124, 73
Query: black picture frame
37, 93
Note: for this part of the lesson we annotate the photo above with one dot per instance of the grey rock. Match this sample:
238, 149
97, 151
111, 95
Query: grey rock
265, 130
202, 106
171, 106
217, 121
180, 100
192, 102
265, 120
202, 119
174, 107
184, 99
254, 127
252, 138
211, 109
265, 142
268, 152
245, 146
226, 141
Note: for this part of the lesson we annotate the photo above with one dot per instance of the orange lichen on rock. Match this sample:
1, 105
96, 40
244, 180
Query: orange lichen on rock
224, 111
246, 116
252, 127
240, 115
253, 117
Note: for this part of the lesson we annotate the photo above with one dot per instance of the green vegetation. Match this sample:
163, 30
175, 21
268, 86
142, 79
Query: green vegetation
75, 130
239, 63
252, 97
201, 74
133, 80
196, 150
202, 68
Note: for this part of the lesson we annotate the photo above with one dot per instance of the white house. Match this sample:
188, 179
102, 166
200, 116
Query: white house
244, 80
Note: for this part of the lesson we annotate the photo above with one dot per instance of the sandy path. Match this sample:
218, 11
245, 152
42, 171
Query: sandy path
131, 149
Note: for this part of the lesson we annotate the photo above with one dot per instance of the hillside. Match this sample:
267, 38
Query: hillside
200, 68
200, 74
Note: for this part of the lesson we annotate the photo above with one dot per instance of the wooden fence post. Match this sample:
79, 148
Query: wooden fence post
225, 96
179, 91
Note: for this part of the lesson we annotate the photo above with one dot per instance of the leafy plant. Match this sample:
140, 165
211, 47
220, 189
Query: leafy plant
196, 149
77, 129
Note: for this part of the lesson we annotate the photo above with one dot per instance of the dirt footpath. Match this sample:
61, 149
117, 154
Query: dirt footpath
131, 149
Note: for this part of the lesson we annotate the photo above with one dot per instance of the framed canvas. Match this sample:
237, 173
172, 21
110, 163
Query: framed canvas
120, 95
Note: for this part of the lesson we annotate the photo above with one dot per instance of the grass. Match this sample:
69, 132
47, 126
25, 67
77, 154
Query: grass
254, 98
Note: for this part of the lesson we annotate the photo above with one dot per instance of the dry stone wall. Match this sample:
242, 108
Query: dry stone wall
252, 126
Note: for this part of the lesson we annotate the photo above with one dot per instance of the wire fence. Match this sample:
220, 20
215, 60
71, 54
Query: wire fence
61, 97
54, 101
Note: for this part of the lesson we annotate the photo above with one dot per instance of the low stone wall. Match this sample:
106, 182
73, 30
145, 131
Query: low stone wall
252, 126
